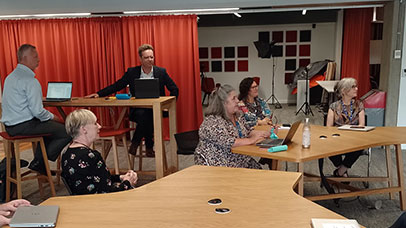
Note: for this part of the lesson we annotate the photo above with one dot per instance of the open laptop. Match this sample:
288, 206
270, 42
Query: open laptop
277, 142
35, 216
59, 91
146, 88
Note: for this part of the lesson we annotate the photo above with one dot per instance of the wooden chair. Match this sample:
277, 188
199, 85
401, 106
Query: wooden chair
112, 135
208, 86
12, 144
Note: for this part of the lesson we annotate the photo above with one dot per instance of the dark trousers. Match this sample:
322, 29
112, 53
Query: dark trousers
54, 143
349, 159
400, 222
145, 126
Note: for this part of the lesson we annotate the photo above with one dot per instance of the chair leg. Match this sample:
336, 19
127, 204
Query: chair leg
58, 170
115, 155
7, 150
48, 171
389, 170
126, 151
18, 169
140, 158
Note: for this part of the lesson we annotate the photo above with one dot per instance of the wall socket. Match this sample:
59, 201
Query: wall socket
398, 54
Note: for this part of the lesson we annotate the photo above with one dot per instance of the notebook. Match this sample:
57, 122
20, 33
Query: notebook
335, 223
35, 216
59, 91
146, 88
277, 142
356, 128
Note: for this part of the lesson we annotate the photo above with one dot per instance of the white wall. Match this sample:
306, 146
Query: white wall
402, 89
322, 47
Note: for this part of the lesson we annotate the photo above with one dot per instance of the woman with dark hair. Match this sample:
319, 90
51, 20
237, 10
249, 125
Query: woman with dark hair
347, 110
255, 109
223, 129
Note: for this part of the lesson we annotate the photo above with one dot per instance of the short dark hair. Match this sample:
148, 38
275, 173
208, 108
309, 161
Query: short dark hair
22, 49
143, 48
245, 86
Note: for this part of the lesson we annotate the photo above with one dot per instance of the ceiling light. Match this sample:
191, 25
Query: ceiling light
61, 14
197, 11
237, 14
304, 12
13, 16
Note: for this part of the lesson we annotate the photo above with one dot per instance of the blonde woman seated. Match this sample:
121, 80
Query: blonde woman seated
347, 110
223, 129
83, 168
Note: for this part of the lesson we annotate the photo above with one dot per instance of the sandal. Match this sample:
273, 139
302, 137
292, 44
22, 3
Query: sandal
335, 173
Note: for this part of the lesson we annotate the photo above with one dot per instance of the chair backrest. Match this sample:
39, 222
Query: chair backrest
256, 79
187, 141
208, 85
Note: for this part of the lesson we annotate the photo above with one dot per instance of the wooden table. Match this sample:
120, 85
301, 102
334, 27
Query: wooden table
257, 198
348, 141
157, 105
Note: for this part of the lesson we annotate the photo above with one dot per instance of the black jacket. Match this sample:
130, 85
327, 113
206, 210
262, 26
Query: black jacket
135, 73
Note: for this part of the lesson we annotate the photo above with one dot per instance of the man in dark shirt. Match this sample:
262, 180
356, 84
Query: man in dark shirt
142, 116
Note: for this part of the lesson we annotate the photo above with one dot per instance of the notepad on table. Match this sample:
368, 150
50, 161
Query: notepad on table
335, 223
356, 128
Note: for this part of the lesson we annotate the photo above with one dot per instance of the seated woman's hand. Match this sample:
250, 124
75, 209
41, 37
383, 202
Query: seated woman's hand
131, 177
257, 135
265, 121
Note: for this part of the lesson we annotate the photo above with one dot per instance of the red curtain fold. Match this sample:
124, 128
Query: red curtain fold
95, 52
356, 44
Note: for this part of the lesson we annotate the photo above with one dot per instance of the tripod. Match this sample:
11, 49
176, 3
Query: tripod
305, 108
273, 97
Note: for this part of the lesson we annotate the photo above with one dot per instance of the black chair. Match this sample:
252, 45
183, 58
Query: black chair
187, 142
66, 185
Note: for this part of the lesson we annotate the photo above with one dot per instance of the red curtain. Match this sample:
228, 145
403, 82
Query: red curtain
95, 52
356, 44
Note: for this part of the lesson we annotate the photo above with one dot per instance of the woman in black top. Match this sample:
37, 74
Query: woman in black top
83, 168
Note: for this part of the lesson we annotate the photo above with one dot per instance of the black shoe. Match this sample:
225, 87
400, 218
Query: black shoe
150, 152
266, 161
133, 148
39, 167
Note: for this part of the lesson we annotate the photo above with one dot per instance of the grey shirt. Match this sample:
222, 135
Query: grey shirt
22, 98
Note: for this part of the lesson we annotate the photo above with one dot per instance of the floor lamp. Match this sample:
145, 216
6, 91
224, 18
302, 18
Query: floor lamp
265, 51
272, 97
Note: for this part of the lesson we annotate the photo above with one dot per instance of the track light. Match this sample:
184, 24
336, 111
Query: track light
304, 12
237, 14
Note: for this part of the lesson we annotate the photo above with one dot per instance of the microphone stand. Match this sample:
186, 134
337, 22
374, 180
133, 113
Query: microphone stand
273, 97
305, 108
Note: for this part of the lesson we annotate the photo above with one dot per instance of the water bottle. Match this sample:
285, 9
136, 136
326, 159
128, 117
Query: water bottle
306, 134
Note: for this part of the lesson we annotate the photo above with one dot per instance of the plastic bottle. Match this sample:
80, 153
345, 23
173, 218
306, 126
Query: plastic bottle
306, 134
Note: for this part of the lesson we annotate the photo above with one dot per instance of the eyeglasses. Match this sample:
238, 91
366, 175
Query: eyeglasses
254, 87
354, 86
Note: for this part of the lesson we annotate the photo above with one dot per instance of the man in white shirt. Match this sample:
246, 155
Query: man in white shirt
23, 112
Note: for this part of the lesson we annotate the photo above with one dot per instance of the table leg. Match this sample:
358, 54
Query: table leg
399, 160
389, 170
173, 155
60, 110
300, 169
158, 140
121, 117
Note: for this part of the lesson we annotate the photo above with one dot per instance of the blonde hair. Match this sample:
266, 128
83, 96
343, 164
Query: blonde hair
143, 48
77, 119
344, 85
217, 106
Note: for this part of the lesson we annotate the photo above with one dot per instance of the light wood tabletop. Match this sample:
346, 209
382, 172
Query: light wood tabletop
156, 104
257, 198
347, 141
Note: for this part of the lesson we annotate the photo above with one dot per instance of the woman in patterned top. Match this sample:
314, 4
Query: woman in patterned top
222, 129
83, 168
255, 109
347, 110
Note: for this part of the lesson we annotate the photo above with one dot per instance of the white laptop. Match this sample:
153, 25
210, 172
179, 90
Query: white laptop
35, 216
59, 91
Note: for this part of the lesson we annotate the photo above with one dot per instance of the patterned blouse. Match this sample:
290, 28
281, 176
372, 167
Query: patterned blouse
216, 137
254, 111
86, 173
346, 114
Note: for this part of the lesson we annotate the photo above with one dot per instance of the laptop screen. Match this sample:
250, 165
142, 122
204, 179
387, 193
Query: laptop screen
59, 90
